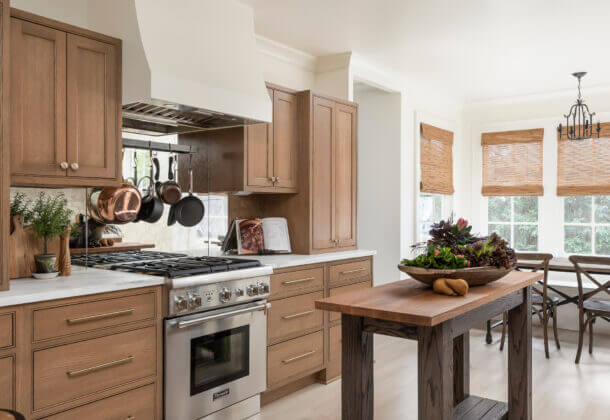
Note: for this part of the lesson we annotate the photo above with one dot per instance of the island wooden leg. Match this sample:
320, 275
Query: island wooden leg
461, 367
357, 370
520, 359
435, 372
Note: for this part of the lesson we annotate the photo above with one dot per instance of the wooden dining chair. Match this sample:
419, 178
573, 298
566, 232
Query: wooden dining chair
590, 309
543, 305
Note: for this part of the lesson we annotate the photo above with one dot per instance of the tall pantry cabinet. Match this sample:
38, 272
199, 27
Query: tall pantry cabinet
322, 216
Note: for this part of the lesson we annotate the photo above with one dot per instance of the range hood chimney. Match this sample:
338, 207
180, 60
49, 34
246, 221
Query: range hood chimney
188, 65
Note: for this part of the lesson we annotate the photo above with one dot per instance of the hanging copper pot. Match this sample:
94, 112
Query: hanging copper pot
115, 205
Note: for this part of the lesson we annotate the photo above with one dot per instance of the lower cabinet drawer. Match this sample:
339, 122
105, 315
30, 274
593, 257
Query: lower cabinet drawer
6, 330
7, 379
293, 315
291, 358
66, 372
349, 272
333, 316
137, 404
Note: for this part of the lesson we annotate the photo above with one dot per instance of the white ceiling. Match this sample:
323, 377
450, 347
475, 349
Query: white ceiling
475, 50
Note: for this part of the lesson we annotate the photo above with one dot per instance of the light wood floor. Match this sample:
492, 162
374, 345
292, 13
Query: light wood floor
561, 389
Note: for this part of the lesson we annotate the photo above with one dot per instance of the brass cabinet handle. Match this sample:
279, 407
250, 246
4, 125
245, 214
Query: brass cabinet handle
130, 418
91, 318
81, 372
301, 356
353, 271
300, 314
63, 165
299, 280
74, 166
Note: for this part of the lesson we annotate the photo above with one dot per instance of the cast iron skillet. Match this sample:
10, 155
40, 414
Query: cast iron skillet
189, 211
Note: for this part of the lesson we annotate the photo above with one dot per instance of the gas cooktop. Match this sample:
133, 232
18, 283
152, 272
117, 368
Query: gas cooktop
188, 266
108, 258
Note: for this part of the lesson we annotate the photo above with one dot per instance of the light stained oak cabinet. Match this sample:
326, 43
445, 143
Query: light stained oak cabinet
304, 343
96, 356
65, 107
258, 158
271, 150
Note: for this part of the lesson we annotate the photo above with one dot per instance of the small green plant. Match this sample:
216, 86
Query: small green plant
49, 217
20, 206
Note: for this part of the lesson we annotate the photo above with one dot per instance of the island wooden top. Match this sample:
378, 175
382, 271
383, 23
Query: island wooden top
411, 302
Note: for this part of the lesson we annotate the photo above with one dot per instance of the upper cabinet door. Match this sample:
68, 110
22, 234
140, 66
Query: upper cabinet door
37, 100
285, 140
322, 169
345, 182
259, 153
93, 104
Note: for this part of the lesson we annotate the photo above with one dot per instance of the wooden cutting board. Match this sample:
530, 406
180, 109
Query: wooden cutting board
23, 245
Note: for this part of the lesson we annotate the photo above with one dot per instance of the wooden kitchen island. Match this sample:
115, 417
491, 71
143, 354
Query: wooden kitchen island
441, 325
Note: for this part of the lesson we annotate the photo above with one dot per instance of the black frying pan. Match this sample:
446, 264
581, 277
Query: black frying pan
151, 209
189, 211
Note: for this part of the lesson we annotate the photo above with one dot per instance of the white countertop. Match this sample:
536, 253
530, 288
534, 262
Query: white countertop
88, 281
291, 260
83, 281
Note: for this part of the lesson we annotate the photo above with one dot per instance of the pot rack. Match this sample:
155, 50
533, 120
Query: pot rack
158, 146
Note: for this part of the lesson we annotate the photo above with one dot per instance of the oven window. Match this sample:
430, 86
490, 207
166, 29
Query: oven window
219, 358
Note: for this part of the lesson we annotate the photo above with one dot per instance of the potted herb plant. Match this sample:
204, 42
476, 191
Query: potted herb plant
48, 217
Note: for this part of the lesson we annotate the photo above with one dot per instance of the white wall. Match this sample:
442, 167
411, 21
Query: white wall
379, 179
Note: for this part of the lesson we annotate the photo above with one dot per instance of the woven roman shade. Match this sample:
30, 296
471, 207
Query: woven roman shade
436, 160
583, 166
512, 162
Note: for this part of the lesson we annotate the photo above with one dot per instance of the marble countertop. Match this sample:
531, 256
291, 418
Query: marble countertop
88, 281
292, 260
83, 281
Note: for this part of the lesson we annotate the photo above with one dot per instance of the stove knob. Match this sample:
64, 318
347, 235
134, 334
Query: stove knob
252, 290
239, 292
181, 303
194, 301
263, 288
224, 295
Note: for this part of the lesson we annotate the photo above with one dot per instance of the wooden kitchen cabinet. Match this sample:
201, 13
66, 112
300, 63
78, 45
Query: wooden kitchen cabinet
304, 345
65, 107
258, 158
5, 158
271, 150
96, 356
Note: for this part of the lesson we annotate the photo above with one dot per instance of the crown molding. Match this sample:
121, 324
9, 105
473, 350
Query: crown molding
286, 54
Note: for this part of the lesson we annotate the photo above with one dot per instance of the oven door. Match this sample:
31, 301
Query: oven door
214, 359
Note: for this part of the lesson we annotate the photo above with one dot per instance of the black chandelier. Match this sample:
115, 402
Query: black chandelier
579, 121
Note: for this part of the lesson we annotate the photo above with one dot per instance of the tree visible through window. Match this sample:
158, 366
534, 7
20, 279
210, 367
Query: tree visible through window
587, 225
515, 219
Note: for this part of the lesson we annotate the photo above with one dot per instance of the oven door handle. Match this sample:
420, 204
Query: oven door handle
204, 319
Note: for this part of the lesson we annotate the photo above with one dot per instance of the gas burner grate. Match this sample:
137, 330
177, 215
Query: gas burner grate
107, 258
188, 266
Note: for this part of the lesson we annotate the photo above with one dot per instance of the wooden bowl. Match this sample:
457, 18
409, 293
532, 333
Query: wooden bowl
475, 276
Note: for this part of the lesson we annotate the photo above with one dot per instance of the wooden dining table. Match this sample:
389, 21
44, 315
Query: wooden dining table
440, 324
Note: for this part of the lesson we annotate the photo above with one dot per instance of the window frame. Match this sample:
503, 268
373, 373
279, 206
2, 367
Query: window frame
592, 224
512, 222
446, 211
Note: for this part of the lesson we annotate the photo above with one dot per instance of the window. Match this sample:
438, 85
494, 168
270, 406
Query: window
586, 228
432, 208
515, 219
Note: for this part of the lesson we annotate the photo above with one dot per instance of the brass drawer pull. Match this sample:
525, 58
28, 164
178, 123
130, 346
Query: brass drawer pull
75, 321
81, 372
299, 280
354, 271
130, 418
300, 314
299, 357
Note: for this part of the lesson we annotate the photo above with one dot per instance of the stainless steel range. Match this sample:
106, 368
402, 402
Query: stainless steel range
215, 333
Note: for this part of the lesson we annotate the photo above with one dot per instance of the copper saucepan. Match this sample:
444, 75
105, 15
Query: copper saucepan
115, 205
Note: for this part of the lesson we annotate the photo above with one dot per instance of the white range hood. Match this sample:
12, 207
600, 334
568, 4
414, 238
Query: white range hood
188, 65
